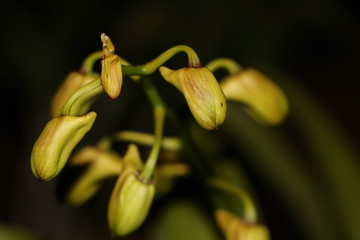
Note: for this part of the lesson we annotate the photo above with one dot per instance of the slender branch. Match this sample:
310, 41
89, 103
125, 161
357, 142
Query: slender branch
250, 214
168, 143
150, 67
159, 117
230, 65
82, 98
88, 64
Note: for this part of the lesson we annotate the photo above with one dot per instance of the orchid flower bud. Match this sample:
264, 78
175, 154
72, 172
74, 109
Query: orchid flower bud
235, 228
202, 92
73, 82
101, 165
56, 142
132, 196
111, 71
264, 100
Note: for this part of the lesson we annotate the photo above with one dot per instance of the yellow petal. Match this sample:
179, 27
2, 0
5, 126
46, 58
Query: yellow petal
234, 228
101, 165
131, 197
56, 142
111, 71
202, 92
265, 101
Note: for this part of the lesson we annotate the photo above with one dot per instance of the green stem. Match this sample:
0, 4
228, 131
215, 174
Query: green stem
159, 117
150, 67
82, 98
88, 64
168, 143
230, 65
249, 214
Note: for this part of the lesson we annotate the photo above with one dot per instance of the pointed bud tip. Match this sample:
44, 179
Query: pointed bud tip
107, 43
104, 38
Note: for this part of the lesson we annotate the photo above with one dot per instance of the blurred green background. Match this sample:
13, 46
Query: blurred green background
311, 48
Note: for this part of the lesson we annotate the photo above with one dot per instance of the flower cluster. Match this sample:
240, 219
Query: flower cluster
141, 179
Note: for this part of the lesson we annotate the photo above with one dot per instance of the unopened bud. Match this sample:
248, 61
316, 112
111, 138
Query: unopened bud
111, 71
264, 100
235, 228
100, 165
73, 82
56, 142
202, 92
131, 198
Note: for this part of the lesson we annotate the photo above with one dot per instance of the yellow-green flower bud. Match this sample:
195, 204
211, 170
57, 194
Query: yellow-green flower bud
111, 71
73, 82
54, 145
236, 229
202, 92
265, 101
101, 165
131, 198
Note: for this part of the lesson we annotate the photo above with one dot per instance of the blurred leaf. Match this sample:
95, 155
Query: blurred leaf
184, 219
336, 156
8, 232
279, 164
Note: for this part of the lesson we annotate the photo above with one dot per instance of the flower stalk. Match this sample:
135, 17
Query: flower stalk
159, 118
150, 67
230, 65
250, 213
168, 143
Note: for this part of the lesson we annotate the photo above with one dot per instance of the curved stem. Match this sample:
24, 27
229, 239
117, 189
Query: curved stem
159, 117
230, 65
150, 67
168, 143
88, 64
80, 100
250, 214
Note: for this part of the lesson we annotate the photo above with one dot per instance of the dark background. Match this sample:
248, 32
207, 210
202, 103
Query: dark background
314, 41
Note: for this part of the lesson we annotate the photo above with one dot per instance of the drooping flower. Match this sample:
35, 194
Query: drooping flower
202, 92
264, 100
56, 142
